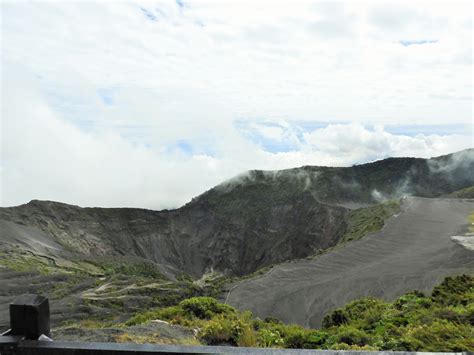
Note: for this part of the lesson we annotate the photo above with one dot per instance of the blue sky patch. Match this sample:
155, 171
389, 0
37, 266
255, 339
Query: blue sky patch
185, 147
271, 136
190, 147
106, 95
438, 129
148, 14
406, 42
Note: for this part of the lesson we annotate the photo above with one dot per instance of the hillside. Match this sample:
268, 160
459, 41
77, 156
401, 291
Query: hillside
414, 250
254, 220
440, 320
103, 259
467, 192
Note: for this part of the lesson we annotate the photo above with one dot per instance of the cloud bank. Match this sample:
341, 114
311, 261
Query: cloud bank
148, 104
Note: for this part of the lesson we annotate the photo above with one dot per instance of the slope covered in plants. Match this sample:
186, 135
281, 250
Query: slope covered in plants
440, 321
467, 192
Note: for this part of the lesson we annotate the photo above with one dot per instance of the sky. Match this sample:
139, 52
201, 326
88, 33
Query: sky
150, 103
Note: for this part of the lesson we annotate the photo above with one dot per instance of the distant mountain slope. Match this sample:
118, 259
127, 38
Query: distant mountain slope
193, 239
467, 192
251, 221
367, 183
413, 251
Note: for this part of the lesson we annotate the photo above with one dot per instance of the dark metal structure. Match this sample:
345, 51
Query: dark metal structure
29, 316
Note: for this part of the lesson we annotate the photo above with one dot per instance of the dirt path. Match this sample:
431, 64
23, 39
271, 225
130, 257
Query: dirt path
413, 251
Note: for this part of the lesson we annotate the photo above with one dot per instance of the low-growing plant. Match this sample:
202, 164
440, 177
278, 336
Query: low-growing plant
352, 336
222, 330
335, 318
455, 290
205, 307
268, 338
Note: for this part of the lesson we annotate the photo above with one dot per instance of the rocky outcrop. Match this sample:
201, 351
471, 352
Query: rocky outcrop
195, 239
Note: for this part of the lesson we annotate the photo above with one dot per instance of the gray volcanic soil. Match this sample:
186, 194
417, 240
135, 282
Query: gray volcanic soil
236, 235
413, 251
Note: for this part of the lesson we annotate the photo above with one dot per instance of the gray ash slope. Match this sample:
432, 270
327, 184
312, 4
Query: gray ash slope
413, 251
251, 221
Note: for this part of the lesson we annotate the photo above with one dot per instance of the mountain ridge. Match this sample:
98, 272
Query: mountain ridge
251, 221
437, 160
93, 260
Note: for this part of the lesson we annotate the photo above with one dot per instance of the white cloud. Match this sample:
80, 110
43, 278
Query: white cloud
355, 143
135, 103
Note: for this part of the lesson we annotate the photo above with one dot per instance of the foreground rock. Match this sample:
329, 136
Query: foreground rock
154, 332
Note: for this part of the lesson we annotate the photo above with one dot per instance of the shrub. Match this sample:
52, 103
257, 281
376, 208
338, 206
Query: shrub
272, 320
469, 316
294, 339
300, 338
454, 291
344, 346
221, 330
335, 318
440, 336
352, 336
413, 322
143, 317
205, 307
340, 346
247, 336
453, 314
314, 339
268, 338
412, 300
358, 308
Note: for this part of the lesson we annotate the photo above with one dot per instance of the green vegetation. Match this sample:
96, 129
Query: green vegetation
467, 192
17, 259
108, 287
92, 323
28, 262
155, 338
138, 268
359, 223
188, 310
442, 321
362, 221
